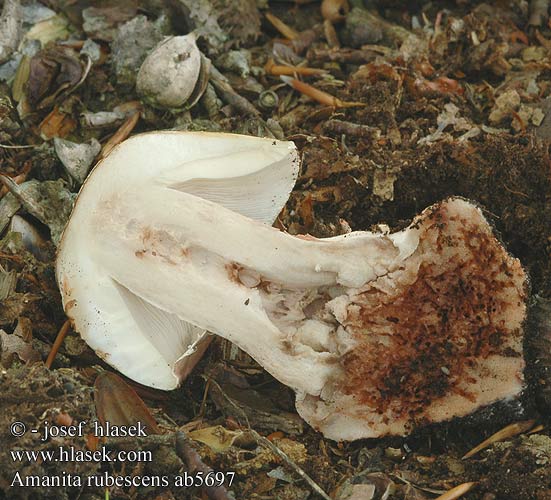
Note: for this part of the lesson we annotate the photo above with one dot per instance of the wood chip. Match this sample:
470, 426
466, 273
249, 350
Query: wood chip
56, 124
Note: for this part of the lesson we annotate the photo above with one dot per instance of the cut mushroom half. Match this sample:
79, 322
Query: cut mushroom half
149, 344
376, 333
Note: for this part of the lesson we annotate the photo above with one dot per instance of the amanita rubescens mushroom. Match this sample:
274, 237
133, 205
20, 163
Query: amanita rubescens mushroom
376, 333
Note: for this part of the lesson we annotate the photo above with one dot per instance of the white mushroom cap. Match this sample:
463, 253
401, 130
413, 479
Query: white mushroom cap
248, 175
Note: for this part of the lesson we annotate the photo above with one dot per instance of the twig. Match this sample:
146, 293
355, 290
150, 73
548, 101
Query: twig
520, 193
544, 42
289, 70
29, 204
536, 429
240, 412
457, 492
195, 464
204, 400
22, 146
346, 55
272, 447
138, 442
120, 135
57, 343
280, 26
229, 95
18, 179
85, 73
417, 486
505, 433
338, 127
319, 95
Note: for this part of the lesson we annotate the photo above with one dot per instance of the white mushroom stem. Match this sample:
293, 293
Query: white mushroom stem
160, 230
374, 332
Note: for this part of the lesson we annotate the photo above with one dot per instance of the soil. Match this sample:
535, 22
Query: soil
380, 162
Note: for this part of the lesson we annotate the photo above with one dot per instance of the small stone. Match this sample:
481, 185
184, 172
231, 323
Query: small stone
48, 201
77, 158
10, 29
238, 61
101, 22
537, 117
92, 50
532, 88
35, 12
134, 40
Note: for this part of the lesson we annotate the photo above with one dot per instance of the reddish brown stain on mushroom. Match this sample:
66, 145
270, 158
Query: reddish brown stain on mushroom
419, 341
69, 305
233, 269
66, 289
155, 245
147, 234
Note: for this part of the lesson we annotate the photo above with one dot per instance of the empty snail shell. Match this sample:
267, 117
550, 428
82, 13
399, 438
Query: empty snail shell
174, 74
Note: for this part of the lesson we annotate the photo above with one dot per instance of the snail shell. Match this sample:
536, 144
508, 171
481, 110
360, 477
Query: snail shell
170, 73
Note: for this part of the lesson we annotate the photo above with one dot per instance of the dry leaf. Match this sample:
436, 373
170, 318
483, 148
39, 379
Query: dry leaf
117, 403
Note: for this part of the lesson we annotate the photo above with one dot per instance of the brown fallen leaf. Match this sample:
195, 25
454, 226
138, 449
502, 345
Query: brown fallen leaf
119, 404
18, 344
53, 71
56, 124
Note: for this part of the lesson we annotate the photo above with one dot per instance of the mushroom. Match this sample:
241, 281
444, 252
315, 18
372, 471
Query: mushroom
375, 332
148, 344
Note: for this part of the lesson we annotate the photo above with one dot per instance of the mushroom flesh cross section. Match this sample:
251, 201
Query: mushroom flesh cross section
376, 333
